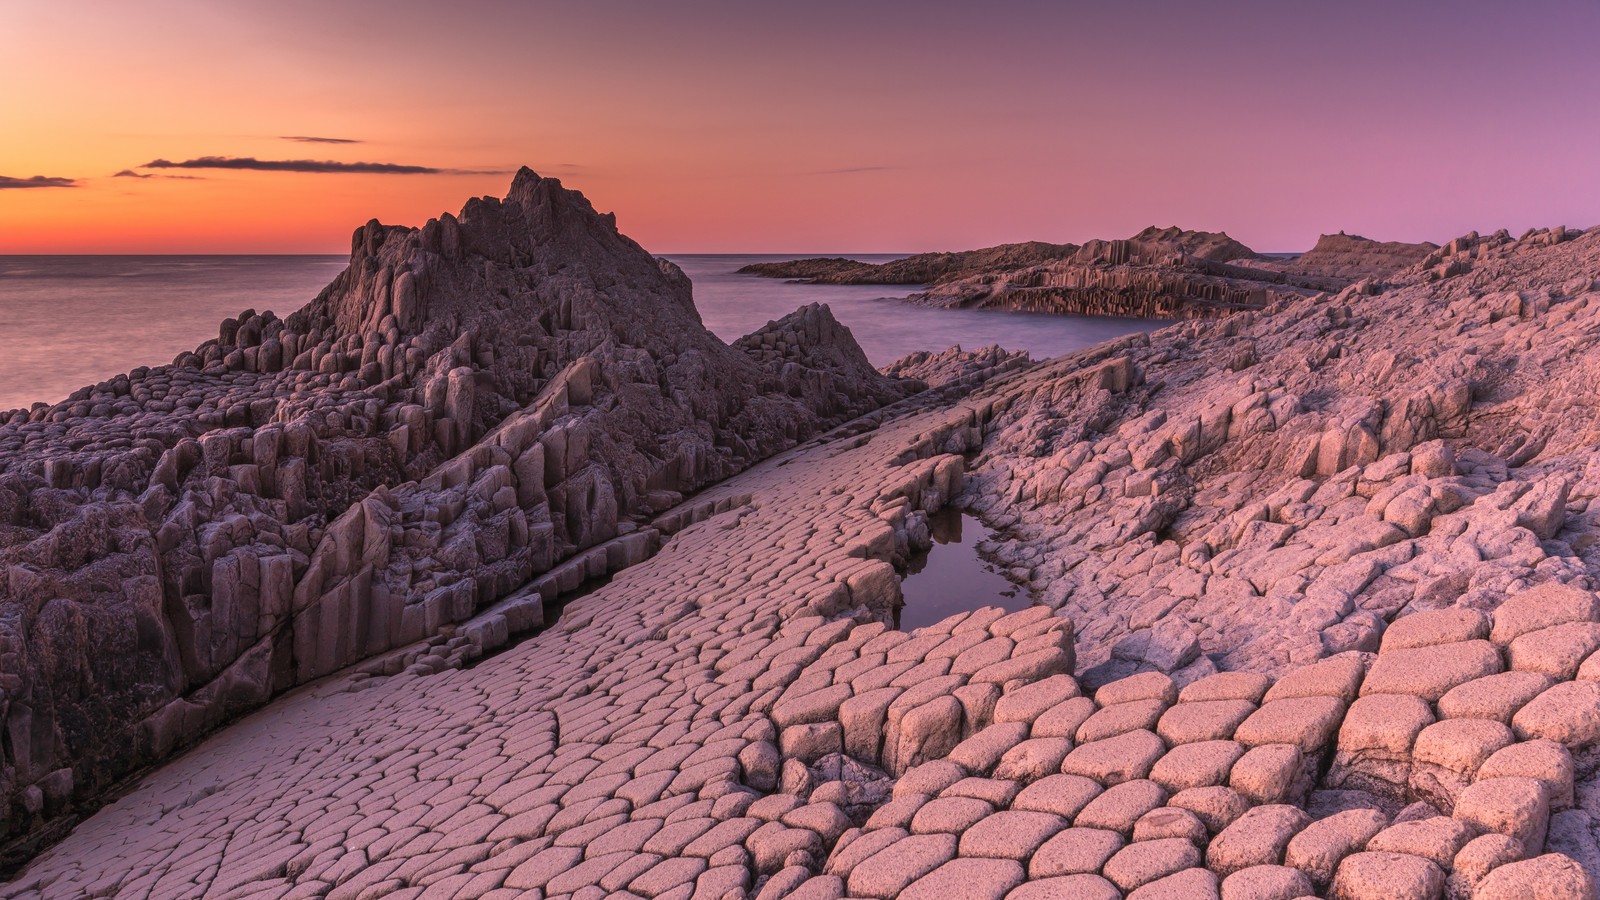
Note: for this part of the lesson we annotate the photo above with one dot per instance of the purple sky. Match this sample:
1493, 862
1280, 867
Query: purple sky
803, 127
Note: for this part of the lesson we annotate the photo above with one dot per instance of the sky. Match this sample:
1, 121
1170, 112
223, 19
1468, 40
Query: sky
238, 127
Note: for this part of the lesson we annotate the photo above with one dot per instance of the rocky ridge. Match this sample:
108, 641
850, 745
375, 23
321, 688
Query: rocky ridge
1283, 483
480, 413
1161, 273
1349, 258
920, 268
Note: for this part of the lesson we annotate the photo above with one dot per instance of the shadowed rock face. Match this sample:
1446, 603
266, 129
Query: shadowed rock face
494, 396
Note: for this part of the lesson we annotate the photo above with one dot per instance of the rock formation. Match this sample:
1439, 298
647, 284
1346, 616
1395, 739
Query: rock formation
480, 413
1350, 258
920, 268
1215, 246
955, 365
1312, 470
1317, 617
1159, 273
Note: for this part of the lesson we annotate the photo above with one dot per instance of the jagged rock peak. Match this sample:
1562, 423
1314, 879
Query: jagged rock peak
541, 241
813, 336
1213, 245
953, 365
475, 416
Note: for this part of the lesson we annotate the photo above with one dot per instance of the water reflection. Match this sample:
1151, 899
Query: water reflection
951, 577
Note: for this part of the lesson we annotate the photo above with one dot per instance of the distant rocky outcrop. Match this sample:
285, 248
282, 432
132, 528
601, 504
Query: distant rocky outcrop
1215, 246
921, 268
1160, 273
474, 416
1344, 259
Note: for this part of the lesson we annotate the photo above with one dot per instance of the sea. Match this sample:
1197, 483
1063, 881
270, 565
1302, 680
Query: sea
69, 321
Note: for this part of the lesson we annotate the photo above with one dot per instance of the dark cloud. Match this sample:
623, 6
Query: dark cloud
303, 139
129, 173
855, 170
250, 163
8, 183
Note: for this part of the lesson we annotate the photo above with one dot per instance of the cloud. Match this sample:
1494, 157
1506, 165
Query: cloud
250, 163
855, 170
8, 183
303, 139
129, 173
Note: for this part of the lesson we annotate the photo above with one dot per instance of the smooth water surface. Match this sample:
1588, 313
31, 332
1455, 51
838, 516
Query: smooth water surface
70, 321
887, 329
951, 577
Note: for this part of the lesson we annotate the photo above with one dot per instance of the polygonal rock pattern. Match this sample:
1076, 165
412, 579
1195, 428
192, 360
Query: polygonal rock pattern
1168, 793
653, 802
734, 717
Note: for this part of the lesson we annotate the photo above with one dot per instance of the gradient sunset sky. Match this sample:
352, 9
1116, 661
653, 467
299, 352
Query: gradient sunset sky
803, 127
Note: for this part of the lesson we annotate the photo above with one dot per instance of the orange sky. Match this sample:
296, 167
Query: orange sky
801, 127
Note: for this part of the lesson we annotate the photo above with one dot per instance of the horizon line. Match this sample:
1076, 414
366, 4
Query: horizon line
809, 254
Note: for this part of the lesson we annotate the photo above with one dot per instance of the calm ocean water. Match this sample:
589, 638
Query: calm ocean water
68, 321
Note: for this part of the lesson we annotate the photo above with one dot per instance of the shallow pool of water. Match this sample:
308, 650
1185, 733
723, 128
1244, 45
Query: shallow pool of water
951, 577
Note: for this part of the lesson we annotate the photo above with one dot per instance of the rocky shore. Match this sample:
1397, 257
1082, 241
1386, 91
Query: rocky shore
1316, 591
1159, 273
475, 416
921, 268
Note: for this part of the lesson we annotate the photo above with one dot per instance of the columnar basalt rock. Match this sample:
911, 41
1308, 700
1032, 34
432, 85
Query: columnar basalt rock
1316, 610
483, 412
732, 717
1256, 517
1152, 277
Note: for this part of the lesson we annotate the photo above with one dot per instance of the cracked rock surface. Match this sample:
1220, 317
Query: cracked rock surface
732, 718
1316, 618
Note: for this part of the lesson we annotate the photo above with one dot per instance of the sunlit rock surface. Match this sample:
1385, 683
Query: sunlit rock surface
1318, 618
